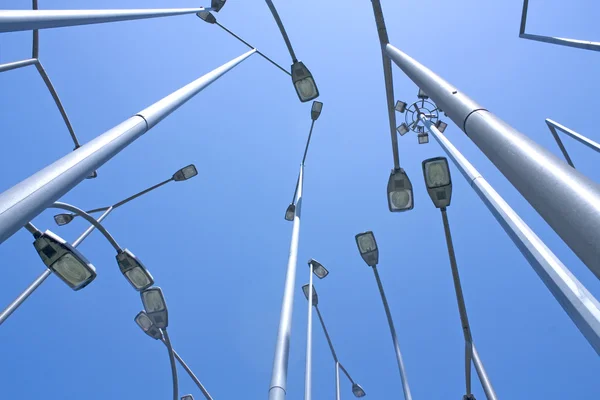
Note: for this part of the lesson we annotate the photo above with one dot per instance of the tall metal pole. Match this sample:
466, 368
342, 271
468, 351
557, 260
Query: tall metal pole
308, 371
192, 375
24, 201
337, 380
26, 20
405, 388
284, 34
568, 200
11, 308
277, 389
17, 64
574, 298
167, 342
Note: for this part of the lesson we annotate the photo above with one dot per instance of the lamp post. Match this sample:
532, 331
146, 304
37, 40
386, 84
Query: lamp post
277, 387
579, 304
26, 20
439, 188
367, 246
321, 272
21, 203
156, 311
357, 390
147, 325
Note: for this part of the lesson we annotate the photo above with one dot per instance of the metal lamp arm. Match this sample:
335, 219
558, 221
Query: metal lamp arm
282, 29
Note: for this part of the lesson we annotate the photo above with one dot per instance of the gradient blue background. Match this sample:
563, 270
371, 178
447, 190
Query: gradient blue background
218, 244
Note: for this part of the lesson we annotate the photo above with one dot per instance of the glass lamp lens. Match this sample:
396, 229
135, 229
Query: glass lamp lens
358, 391
437, 174
317, 107
366, 243
138, 278
400, 199
321, 272
144, 322
153, 301
71, 270
306, 88
305, 290
189, 172
403, 129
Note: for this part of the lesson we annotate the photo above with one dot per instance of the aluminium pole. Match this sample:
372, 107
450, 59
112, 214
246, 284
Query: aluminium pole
308, 370
26, 20
568, 200
574, 298
24, 201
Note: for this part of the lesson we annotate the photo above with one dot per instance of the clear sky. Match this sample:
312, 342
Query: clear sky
218, 244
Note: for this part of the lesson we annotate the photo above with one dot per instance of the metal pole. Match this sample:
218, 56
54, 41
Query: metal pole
483, 378
40, 279
192, 375
24, 201
277, 389
579, 137
388, 78
326, 334
337, 381
561, 146
462, 309
405, 388
575, 299
17, 64
568, 200
25, 20
308, 371
167, 343
282, 29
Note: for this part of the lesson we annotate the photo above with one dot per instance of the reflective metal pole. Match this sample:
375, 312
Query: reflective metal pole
405, 388
575, 299
40, 279
337, 380
277, 389
167, 343
26, 20
568, 200
308, 371
577, 136
192, 375
483, 378
24, 201
17, 64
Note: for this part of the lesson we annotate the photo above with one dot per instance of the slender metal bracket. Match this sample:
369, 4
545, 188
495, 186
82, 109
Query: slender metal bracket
553, 126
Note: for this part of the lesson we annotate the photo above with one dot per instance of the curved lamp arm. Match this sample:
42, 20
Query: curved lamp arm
91, 220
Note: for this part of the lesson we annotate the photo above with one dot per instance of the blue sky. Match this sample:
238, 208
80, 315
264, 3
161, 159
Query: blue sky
218, 244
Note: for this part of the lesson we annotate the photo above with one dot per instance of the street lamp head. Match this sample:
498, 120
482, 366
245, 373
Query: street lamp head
403, 129
185, 173
423, 138
318, 269
422, 94
64, 260
367, 246
469, 397
146, 324
441, 125
187, 397
315, 298
304, 83
399, 191
400, 106
155, 306
438, 181
290, 213
63, 219
216, 5
315, 112
207, 16
134, 271
357, 390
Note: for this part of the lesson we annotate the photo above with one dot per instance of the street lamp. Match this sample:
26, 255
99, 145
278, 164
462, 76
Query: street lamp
413, 114
134, 271
399, 191
316, 109
146, 324
185, 173
367, 246
357, 390
216, 5
64, 260
304, 83
439, 186
155, 306
187, 397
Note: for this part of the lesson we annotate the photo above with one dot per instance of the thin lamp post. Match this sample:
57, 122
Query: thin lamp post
277, 387
367, 246
579, 44
25, 200
574, 298
26, 20
439, 187
568, 200
553, 126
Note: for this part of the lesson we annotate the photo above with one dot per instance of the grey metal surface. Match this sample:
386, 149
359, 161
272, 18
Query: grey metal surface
568, 200
282, 29
277, 388
561, 146
388, 78
488, 389
167, 342
405, 387
333, 354
21, 203
337, 381
575, 299
308, 368
17, 64
192, 375
25, 20
577, 136
12, 307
